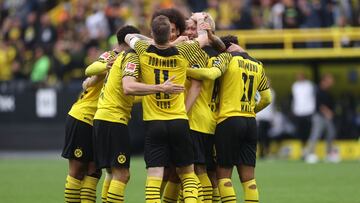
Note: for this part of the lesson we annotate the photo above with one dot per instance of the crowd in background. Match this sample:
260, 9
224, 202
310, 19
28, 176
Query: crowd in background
49, 43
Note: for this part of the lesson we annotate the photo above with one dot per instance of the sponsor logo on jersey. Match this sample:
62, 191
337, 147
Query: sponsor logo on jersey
130, 67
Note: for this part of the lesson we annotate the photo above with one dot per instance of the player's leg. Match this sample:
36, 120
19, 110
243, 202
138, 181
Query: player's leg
247, 178
200, 159
182, 155
106, 184
211, 167
88, 188
247, 159
112, 150
226, 143
73, 180
76, 151
156, 158
215, 188
120, 162
173, 186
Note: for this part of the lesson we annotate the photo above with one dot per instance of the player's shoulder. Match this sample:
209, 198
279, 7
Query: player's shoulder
245, 55
130, 53
107, 55
188, 44
170, 51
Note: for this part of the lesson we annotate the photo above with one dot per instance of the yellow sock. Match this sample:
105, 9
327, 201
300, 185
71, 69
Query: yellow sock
162, 188
200, 191
171, 192
116, 192
105, 187
152, 191
250, 191
207, 187
88, 190
216, 195
72, 189
227, 192
190, 187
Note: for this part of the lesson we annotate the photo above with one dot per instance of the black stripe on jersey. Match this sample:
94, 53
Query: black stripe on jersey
210, 51
190, 51
171, 51
245, 56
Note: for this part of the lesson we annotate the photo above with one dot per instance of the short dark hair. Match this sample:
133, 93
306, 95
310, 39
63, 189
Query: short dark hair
160, 27
228, 39
123, 31
174, 15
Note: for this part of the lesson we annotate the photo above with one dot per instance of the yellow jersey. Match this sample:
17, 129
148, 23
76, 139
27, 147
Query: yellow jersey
114, 105
238, 85
85, 107
202, 115
157, 66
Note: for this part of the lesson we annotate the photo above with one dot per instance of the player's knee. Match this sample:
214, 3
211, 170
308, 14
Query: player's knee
121, 174
200, 169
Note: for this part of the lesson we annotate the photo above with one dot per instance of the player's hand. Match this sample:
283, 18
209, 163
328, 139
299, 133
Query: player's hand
235, 47
85, 83
110, 62
180, 39
196, 16
170, 88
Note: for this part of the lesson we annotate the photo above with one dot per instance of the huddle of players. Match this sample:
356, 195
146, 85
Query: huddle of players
219, 109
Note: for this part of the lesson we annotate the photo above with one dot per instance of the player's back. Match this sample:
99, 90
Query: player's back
157, 66
244, 76
202, 116
114, 105
85, 107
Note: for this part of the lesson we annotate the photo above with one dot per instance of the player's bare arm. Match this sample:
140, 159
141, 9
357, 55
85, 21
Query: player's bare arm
92, 81
132, 87
192, 94
215, 41
202, 28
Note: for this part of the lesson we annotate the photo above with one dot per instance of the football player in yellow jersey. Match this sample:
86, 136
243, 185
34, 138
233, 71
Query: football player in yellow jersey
111, 138
202, 118
78, 148
167, 140
236, 135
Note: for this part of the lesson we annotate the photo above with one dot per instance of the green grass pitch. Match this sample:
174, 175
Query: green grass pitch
42, 181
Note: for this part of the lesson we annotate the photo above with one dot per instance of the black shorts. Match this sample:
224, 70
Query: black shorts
111, 144
203, 148
235, 141
168, 142
78, 140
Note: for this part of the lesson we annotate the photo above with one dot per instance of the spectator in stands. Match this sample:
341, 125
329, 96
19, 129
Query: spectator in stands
303, 105
97, 24
292, 16
323, 120
47, 33
41, 67
29, 32
7, 56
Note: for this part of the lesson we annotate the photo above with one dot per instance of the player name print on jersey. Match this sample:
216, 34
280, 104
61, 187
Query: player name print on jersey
158, 62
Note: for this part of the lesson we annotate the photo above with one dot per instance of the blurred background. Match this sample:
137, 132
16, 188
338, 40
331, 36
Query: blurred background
45, 46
